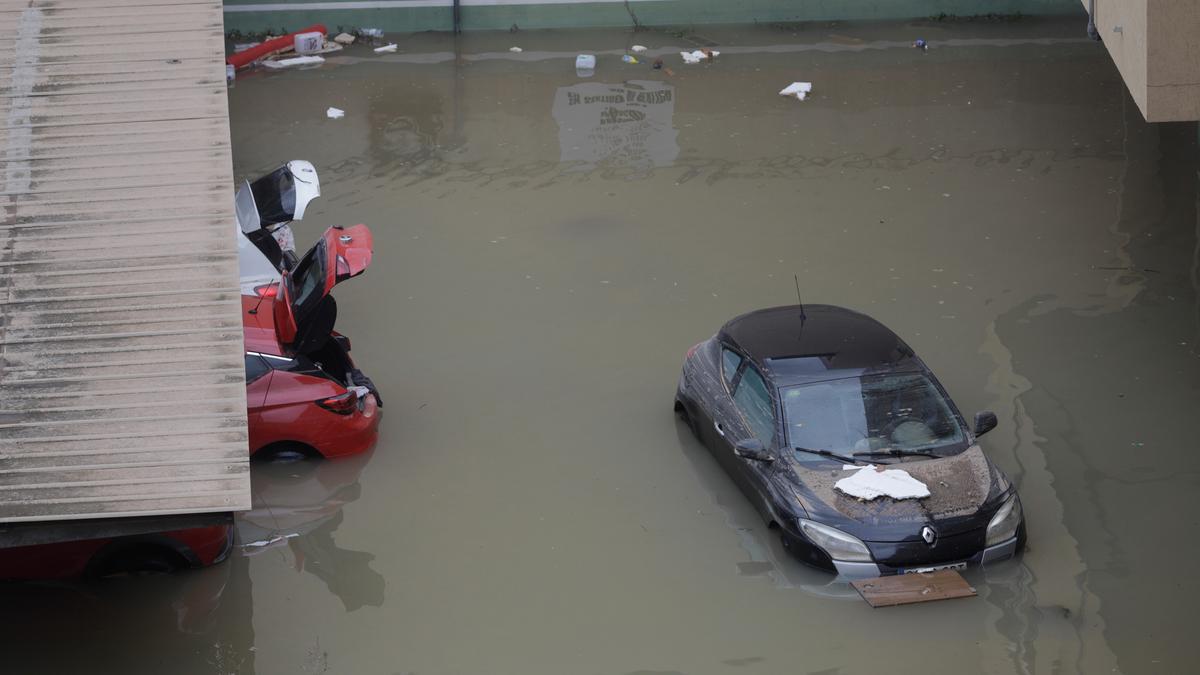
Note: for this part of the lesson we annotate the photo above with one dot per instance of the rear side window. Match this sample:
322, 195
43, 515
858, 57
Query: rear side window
255, 367
753, 399
308, 281
730, 360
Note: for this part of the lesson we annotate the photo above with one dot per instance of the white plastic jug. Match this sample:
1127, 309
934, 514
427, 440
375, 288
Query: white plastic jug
308, 43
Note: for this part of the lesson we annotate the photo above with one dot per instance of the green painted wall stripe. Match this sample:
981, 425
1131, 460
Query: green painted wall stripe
421, 15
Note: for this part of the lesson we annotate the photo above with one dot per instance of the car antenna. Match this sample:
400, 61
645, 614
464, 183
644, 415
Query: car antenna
261, 298
803, 317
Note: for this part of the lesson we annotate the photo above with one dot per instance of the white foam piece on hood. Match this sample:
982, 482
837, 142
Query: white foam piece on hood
869, 482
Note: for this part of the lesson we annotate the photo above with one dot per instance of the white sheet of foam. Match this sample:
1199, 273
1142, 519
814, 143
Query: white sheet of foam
869, 482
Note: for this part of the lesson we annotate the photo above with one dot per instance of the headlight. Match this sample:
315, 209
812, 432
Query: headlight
1005, 523
838, 544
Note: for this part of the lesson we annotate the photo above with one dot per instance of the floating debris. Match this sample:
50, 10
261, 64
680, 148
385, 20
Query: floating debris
798, 89
295, 61
699, 55
308, 43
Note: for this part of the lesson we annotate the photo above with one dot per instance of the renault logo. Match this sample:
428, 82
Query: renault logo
928, 534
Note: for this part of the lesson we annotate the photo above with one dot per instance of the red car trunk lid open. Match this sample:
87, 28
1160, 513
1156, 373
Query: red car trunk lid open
304, 311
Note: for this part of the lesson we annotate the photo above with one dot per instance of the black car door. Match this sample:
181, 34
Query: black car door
756, 409
722, 420
739, 413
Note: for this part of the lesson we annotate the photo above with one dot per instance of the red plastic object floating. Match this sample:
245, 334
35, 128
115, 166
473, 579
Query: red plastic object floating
244, 58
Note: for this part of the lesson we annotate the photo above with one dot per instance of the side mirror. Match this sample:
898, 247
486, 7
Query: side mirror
752, 449
985, 421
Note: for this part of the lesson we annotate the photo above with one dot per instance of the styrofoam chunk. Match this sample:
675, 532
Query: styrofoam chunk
278, 64
637, 49
335, 113
344, 39
515, 50
308, 43
387, 49
869, 482
796, 88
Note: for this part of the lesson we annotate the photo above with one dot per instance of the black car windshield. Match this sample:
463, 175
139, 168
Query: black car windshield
275, 196
873, 412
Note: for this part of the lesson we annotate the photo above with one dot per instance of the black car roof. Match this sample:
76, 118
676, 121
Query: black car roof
826, 339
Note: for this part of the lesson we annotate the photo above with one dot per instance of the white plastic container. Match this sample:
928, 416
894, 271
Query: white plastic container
585, 62
308, 43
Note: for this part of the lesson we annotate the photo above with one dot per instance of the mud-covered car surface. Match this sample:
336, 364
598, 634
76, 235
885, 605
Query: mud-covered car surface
792, 399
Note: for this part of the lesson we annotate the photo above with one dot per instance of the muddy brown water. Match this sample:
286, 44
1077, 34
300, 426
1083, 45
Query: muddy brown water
548, 247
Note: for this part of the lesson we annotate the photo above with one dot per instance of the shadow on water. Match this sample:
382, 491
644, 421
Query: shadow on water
197, 621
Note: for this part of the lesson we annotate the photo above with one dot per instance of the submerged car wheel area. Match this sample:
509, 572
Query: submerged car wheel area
162, 552
817, 413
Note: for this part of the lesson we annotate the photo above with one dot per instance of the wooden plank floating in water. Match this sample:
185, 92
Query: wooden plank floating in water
904, 589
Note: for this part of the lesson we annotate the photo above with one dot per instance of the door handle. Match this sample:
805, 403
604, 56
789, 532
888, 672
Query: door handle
720, 429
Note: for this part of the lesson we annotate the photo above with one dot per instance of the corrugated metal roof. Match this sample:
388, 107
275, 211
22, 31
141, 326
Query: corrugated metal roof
121, 377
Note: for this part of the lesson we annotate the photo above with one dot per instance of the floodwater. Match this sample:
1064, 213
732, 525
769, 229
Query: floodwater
548, 247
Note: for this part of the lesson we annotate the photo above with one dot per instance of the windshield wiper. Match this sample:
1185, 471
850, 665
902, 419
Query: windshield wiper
826, 453
896, 452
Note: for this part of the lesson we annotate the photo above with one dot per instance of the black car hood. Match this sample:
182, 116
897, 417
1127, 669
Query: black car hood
963, 491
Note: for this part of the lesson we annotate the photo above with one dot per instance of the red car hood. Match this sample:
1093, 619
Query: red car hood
258, 326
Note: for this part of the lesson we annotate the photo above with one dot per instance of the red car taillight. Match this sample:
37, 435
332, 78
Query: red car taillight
342, 404
267, 291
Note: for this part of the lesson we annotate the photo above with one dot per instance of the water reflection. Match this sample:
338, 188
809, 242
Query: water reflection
616, 125
297, 507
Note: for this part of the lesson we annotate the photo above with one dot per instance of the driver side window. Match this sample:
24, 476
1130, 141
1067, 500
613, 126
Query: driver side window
754, 400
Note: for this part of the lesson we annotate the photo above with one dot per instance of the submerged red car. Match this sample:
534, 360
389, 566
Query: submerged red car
95, 558
304, 395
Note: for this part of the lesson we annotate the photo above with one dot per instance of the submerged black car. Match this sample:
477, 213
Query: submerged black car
788, 398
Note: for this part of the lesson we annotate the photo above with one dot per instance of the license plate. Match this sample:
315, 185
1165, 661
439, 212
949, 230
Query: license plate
934, 568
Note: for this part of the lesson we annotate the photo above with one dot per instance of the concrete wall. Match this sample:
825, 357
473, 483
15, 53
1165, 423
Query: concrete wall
1155, 46
420, 15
